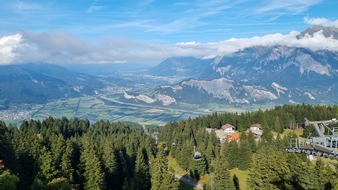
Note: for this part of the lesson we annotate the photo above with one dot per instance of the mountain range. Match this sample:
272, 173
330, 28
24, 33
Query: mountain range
38, 83
255, 75
277, 74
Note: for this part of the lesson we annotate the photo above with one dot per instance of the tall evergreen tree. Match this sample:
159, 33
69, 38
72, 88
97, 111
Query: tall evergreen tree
92, 171
300, 171
68, 162
252, 142
232, 155
269, 170
57, 148
142, 173
221, 178
8, 181
47, 166
244, 155
161, 177
110, 164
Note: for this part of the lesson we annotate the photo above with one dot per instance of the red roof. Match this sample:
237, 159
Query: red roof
235, 136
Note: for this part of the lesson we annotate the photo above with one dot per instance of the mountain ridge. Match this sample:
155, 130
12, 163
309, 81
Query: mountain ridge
38, 83
262, 74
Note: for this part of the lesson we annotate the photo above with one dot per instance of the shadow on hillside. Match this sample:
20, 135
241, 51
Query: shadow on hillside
186, 183
185, 186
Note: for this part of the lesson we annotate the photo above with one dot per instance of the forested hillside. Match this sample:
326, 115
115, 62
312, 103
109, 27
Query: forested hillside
74, 154
269, 166
71, 154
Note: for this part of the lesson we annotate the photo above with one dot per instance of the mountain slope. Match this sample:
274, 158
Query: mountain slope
289, 66
327, 32
188, 67
258, 74
38, 83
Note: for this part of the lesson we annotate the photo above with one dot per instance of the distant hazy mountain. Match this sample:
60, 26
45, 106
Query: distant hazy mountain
38, 83
181, 66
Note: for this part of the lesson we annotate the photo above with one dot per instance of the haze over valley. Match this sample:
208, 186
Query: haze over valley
255, 77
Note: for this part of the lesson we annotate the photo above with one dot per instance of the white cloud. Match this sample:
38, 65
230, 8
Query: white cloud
61, 47
316, 42
321, 22
8, 47
293, 6
94, 8
187, 43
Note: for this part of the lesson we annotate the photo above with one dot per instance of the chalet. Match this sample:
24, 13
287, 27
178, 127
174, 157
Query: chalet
227, 128
256, 129
222, 133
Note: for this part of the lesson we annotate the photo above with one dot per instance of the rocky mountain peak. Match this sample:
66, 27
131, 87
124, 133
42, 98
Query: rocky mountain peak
327, 32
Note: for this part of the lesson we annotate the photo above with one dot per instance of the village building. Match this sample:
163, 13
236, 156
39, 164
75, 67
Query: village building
223, 132
234, 137
221, 136
256, 129
229, 129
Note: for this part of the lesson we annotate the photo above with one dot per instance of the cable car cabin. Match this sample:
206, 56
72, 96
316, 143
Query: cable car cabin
197, 156
173, 144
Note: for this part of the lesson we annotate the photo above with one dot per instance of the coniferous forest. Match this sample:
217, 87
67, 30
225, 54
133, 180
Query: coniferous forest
62, 153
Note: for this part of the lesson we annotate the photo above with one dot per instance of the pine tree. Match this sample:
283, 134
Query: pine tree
7, 153
57, 148
300, 172
111, 168
8, 181
267, 137
269, 170
67, 160
232, 155
252, 142
278, 125
91, 165
170, 182
161, 178
221, 178
321, 176
142, 174
244, 155
47, 167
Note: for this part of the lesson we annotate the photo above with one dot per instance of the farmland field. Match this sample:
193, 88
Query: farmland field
96, 108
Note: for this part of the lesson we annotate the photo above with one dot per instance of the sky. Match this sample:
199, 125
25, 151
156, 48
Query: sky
149, 31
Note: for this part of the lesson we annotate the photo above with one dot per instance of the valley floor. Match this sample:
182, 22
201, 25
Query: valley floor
101, 107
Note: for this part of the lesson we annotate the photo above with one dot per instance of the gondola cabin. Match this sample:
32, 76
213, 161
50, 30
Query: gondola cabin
197, 156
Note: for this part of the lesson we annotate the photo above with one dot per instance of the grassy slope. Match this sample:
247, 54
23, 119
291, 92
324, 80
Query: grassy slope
242, 177
178, 170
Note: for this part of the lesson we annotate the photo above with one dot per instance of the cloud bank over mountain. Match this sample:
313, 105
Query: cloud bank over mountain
321, 22
62, 47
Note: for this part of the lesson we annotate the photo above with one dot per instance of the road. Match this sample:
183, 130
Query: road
189, 181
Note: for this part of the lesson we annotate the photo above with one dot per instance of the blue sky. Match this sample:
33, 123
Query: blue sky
140, 27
